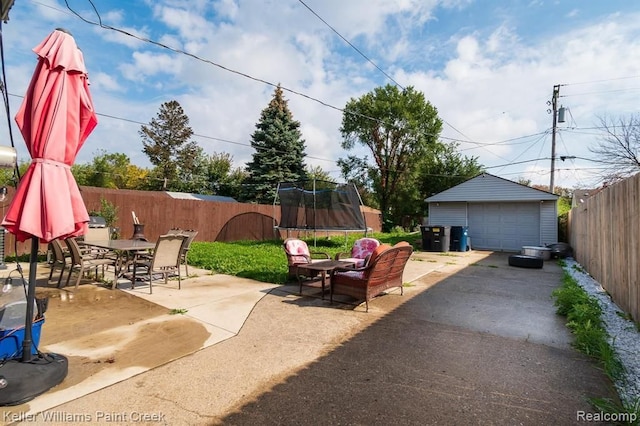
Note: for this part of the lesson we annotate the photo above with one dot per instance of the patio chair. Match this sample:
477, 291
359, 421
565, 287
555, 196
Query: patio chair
360, 251
191, 235
84, 261
61, 259
383, 271
298, 253
164, 261
99, 234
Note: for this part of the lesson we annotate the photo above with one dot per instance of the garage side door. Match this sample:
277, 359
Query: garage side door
504, 226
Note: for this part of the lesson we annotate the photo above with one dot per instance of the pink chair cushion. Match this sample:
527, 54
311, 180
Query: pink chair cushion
297, 247
356, 262
358, 275
364, 247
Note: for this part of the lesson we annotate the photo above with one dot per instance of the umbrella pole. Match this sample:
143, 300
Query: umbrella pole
31, 297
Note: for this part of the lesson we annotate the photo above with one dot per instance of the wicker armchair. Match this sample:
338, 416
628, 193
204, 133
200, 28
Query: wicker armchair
298, 253
383, 271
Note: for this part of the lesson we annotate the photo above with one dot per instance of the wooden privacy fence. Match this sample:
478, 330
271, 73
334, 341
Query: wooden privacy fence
604, 232
159, 212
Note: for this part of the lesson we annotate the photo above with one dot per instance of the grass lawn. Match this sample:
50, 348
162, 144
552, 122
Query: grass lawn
265, 260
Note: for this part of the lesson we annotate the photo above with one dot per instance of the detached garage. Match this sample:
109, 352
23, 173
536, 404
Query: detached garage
501, 215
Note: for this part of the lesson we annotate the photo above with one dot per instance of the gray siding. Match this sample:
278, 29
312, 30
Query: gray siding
448, 214
487, 187
548, 222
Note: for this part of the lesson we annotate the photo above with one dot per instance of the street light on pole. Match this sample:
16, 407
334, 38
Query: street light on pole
558, 117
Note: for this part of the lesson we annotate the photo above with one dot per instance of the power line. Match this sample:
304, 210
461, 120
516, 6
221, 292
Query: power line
198, 58
351, 44
128, 120
527, 149
502, 142
603, 80
370, 61
518, 162
602, 91
100, 24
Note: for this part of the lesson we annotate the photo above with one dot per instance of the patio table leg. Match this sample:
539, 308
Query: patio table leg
117, 273
299, 280
324, 279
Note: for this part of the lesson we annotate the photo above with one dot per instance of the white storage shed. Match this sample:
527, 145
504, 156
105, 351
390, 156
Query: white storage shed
499, 214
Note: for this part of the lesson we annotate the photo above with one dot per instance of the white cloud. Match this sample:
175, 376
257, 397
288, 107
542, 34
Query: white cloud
147, 64
490, 78
106, 82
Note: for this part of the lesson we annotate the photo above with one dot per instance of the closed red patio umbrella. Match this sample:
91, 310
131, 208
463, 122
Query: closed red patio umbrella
55, 119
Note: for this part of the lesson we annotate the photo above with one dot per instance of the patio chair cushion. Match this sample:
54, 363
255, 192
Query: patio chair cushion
362, 248
363, 274
298, 251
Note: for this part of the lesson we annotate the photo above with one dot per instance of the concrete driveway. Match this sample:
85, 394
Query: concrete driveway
472, 341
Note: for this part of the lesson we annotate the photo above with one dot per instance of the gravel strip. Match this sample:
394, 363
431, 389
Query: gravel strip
624, 337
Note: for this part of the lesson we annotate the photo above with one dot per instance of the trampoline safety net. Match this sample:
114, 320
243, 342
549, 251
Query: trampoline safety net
320, 205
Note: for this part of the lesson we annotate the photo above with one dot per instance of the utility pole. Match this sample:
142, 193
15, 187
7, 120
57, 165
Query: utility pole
554, 111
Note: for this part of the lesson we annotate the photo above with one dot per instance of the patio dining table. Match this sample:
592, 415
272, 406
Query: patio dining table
127, 252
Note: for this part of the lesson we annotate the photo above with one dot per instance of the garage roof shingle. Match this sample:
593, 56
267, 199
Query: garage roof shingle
487, 188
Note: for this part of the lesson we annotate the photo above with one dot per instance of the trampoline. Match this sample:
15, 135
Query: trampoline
319, 206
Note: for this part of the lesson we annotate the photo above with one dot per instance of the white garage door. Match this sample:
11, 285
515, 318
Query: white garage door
504, 226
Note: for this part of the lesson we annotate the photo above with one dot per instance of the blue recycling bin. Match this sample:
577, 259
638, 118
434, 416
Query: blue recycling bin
13, 315
11, 340
459, 238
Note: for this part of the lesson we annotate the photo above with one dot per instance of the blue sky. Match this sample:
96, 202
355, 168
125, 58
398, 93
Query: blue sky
489, 67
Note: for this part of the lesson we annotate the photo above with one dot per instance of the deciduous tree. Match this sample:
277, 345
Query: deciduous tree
397, 126
110, 171
619, 147
225, 180
444, 167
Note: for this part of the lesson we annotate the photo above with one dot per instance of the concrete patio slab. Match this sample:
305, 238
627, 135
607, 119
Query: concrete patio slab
471, 341
218, 300
112, 335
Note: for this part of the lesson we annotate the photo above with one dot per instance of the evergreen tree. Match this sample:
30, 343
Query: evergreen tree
279, 155
166, 143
